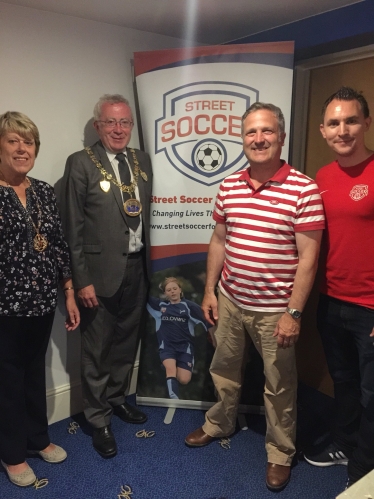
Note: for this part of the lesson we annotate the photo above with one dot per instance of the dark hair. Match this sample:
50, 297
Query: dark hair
348, 94
258, 106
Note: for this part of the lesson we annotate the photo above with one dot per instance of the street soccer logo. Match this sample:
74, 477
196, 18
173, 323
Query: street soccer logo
359, 191
200, 130
209, 157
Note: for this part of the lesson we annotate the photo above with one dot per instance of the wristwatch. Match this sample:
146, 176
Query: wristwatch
296, 314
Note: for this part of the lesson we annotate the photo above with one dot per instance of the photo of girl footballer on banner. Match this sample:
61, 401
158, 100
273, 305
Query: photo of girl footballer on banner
176, 319
177, 350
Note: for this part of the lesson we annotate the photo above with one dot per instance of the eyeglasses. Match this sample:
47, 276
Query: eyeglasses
122, 123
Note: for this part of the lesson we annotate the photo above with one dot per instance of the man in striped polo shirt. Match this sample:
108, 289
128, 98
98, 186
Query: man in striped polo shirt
264, 251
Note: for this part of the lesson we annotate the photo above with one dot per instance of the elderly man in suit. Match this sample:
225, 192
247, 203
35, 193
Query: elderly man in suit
105, 204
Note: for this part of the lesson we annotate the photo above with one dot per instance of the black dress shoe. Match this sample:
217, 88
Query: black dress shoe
104, 442
129, 414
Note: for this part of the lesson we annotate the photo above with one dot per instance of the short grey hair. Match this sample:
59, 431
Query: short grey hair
110, 99
258, 106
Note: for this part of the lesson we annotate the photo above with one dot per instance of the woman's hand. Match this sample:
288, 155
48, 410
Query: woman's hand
73, 316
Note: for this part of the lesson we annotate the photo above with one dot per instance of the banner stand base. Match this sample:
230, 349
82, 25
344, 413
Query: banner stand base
242, 422
169, 415
173, 404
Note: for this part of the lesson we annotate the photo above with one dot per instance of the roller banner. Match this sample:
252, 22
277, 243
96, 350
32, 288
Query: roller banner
191, 101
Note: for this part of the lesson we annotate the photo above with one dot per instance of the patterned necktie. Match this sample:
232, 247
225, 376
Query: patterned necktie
124, 173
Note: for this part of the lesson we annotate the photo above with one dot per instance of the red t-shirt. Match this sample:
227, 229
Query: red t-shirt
348, 198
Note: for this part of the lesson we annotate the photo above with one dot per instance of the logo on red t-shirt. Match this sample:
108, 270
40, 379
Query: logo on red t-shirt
359, 191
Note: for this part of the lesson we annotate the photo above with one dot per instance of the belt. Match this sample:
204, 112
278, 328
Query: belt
138, 254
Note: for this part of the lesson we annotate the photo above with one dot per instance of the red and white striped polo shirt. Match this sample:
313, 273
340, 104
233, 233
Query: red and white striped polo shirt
261, 255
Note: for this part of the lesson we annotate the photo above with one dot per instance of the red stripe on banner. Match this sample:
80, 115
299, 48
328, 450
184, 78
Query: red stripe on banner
158, 252
146, 61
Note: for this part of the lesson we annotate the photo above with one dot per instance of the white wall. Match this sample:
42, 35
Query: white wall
54, 68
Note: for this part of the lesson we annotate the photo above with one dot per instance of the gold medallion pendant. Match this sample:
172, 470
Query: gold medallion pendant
40, 242
132, 207
105, 185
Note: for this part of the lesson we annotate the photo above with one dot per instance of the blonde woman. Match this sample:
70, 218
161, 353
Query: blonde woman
33, 259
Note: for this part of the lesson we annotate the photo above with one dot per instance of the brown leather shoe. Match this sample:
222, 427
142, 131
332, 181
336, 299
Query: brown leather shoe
198, 438
277, 476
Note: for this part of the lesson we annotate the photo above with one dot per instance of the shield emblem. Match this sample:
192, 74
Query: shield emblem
359, 191
200, 130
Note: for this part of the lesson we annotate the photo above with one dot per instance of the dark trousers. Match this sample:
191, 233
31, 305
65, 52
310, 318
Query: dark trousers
23, 406
110, 338
345, 330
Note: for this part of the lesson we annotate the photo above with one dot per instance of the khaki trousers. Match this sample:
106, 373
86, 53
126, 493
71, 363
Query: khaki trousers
280, 378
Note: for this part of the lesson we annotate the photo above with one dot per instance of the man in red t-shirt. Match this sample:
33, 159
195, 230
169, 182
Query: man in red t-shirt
346, 308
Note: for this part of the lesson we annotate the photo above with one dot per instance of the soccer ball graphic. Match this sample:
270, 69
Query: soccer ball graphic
209, 157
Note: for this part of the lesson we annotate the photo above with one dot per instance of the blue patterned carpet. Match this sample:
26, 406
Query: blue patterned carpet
162, 467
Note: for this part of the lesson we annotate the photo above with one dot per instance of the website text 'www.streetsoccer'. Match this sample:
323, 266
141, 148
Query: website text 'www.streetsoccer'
184, 226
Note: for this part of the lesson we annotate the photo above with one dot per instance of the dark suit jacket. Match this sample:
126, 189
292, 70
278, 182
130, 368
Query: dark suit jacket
95, 223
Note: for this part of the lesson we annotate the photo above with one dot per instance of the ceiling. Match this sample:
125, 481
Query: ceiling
200, 21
